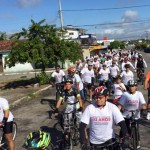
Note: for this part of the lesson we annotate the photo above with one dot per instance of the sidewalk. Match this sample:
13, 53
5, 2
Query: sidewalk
17, 94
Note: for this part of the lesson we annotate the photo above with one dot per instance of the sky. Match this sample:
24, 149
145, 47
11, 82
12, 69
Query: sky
124, 22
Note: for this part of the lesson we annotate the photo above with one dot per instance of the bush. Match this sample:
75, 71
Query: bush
42, 78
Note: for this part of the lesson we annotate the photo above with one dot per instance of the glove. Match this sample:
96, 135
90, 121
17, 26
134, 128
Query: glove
80, 109
144, 113
126, 142
55, 111
85, 146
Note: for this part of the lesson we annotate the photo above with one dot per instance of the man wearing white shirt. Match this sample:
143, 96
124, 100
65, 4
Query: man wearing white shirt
101, 116
87, 75
132, 100
127, 75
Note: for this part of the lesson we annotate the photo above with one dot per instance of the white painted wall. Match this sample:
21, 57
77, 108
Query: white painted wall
74, 36
18, 67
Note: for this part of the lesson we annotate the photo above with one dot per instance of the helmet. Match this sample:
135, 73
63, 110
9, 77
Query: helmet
126, 59
72, 69
102, 59
132, 83
37, 140
101, 90
69, 80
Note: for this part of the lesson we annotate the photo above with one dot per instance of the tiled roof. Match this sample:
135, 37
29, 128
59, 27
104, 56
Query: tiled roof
5, 45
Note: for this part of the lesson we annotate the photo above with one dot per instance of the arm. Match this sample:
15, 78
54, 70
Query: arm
83, 133
146, 83
80, 102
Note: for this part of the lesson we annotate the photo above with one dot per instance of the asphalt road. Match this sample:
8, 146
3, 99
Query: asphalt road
33, 115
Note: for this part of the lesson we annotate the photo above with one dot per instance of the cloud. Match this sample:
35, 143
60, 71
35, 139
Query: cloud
27, 3
130, 15
7, 16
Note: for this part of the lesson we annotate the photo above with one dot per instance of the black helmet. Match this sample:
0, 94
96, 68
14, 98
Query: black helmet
69, 80
132, 83
101, 90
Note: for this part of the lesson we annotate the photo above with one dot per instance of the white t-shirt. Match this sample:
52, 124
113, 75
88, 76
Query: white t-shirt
113, 71
131, 102
58, 76
87, 75
108, 63
79, 67
101, 121
123, 65
104, 74
76, 79
126, 76
118, 90
4, 106
96, 64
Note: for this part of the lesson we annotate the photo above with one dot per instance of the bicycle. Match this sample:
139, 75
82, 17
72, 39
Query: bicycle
3, 141
140, 75
68, 124
59, 90
110, 144
134, 126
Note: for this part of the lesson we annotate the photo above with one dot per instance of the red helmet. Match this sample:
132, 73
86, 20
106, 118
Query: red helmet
72, 69
126, 59
101, 90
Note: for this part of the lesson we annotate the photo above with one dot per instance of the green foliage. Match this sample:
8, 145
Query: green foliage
3, 36
42, 46
116, 45
42, 78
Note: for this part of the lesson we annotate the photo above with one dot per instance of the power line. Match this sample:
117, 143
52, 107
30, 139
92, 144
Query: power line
114, 23
105, 9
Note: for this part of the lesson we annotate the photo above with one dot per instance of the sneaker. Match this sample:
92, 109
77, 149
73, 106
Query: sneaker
139, 148
148, 116
90, 100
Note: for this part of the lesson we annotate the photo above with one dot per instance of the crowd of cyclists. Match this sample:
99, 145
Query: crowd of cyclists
110, 74
104, 75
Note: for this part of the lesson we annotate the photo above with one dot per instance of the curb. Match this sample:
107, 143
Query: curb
26, 98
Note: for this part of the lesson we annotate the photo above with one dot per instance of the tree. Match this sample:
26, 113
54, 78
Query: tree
3, 36
116, 45
42, 46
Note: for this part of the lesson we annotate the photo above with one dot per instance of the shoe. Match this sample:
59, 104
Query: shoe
148, 116
139, 148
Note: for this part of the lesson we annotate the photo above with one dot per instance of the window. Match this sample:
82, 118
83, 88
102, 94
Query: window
71, 33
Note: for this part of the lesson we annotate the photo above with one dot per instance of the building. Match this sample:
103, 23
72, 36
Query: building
5, 49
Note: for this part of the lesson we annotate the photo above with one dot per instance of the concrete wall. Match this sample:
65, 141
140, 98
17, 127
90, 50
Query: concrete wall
18, 67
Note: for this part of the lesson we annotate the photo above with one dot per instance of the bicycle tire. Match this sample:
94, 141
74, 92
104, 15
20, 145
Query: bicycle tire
134, 138
75, 136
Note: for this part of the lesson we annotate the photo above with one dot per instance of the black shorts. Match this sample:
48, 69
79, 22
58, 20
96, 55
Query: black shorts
89, 86
8, 128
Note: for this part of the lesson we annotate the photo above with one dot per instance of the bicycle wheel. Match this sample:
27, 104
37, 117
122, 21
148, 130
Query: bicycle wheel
14, 130
134, 138
57, 95
75, 136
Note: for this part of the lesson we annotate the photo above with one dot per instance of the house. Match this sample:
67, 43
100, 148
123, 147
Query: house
5, 49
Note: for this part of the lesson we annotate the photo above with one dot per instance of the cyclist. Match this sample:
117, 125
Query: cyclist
126, 61
132, 100
77, 82
87, 75
114, 70
101, 115
118, 89
79, 66
70, 95
96, 65
147, 87
104, 74
140, 64
6, 122
127, 75
58, 76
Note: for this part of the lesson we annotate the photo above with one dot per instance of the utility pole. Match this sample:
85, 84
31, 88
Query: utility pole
146, 36
60, 15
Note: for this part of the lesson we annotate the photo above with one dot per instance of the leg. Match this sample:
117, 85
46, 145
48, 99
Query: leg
9, 138
8, 129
